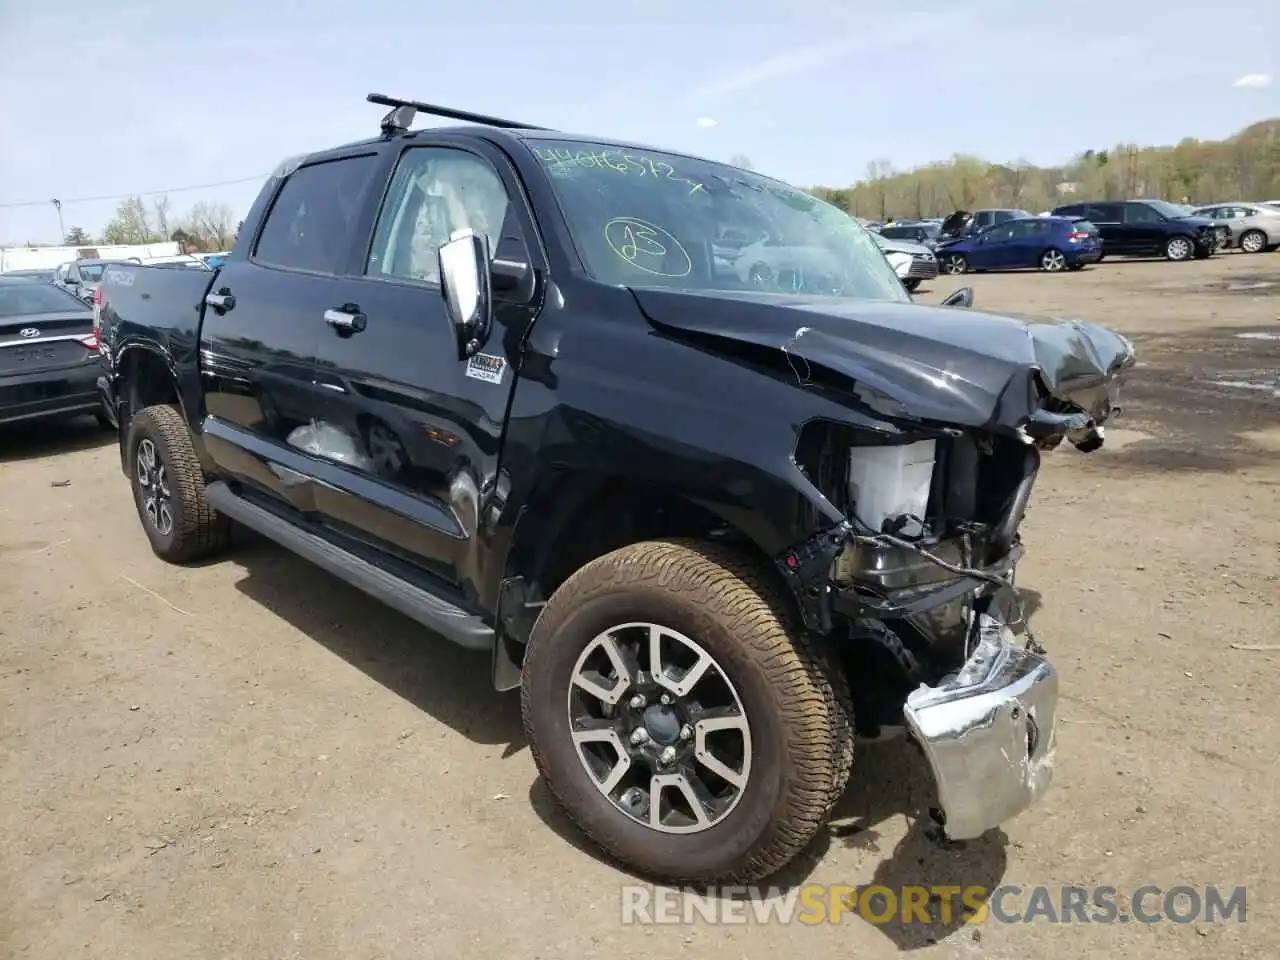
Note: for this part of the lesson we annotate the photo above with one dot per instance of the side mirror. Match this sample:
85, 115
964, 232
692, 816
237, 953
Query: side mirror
961, 298
467, 289
71, 282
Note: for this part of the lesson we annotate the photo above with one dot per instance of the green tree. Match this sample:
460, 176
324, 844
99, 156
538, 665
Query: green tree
77, 237
131, 224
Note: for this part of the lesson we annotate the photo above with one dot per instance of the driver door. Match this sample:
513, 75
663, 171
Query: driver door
992, 249
422, 430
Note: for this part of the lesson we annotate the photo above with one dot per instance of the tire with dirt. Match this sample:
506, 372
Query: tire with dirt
168, 488
682, 716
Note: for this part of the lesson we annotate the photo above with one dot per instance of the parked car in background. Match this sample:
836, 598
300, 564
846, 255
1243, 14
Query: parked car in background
1052, 244
912, 262
1150, 228
924, 232
48, 353
963, 223
82, 277
1253, 227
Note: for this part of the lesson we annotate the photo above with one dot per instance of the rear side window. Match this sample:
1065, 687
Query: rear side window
310, 224
1104, 212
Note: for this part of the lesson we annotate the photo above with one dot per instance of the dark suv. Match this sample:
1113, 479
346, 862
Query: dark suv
1149, 228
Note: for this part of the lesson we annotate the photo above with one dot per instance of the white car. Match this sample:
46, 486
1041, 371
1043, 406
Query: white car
912, 262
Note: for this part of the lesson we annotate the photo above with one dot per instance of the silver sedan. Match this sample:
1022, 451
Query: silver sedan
1254, 227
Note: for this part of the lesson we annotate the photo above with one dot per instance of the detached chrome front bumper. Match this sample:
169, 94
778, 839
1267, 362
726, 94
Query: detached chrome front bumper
989, 733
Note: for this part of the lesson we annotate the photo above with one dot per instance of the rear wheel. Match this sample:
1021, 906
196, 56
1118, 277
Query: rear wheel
682, 716
1253, 241
955, 264
1178, 248
1053, 260
168, 488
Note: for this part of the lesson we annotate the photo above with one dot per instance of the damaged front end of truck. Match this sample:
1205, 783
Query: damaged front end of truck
915, 581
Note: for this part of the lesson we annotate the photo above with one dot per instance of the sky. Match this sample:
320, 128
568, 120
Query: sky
106, 98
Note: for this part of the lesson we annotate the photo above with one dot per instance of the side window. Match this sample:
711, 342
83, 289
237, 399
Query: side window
1000, 216
435, 192
1075, 210
310, 224
983, 220
1140, 213
1104, 213
1024, 228
998, 234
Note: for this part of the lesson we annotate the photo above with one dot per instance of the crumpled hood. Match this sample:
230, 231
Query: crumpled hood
951, 365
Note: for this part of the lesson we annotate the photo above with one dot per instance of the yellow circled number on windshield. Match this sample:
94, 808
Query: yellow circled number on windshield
646, 246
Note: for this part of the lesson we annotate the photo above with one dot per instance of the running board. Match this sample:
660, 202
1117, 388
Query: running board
451, 622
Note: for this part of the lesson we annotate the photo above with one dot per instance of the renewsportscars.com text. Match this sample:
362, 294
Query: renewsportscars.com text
820, 904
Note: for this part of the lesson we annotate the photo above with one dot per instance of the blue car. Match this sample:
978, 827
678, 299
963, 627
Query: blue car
1051, 244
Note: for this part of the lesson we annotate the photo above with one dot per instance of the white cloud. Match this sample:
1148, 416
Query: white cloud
1254, 80
706, 123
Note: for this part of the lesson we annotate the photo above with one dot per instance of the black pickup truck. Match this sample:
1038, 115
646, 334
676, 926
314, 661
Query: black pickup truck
714, 524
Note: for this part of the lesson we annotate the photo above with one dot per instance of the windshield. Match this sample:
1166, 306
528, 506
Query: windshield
25, 298
910, 232
639, 217
1173, 211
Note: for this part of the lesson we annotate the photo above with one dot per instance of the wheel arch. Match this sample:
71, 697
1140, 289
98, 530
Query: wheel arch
144, 377
573, 517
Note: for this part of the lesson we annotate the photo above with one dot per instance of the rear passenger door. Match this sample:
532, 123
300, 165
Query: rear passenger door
427, 427
257, 351
1144, 229
1109, 219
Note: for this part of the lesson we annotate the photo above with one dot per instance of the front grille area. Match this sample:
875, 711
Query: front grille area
923, 268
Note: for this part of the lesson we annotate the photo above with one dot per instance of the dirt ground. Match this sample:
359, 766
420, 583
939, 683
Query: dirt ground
249, 759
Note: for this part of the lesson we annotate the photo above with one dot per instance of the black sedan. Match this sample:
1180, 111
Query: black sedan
48, 353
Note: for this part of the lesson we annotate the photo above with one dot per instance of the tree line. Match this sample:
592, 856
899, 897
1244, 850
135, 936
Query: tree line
205, 228
1245, 167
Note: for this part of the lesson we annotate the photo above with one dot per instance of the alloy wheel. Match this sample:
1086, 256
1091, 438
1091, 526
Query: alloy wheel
1053, 260
659, 727
1252, 242
1179, 248
153, 484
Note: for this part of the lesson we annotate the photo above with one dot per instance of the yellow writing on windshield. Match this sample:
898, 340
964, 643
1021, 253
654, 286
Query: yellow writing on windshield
646, 246
628, 164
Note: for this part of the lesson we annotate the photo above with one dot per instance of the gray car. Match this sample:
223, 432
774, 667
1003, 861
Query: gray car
82, 277
913, 262
1255, 227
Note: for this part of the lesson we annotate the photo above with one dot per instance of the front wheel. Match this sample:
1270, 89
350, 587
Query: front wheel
955, 265
168, 488
1253, 241
1178, 248
682, 716
1053, 260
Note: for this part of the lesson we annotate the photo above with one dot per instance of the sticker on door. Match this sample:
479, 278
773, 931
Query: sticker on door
486, 367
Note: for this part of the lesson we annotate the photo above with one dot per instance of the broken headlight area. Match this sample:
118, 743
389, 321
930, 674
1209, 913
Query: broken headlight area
930, 540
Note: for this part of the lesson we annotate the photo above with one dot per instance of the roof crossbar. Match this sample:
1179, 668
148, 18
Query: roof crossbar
403, 111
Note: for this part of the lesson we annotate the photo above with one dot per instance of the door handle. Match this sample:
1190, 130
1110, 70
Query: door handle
222, 301
347, 320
